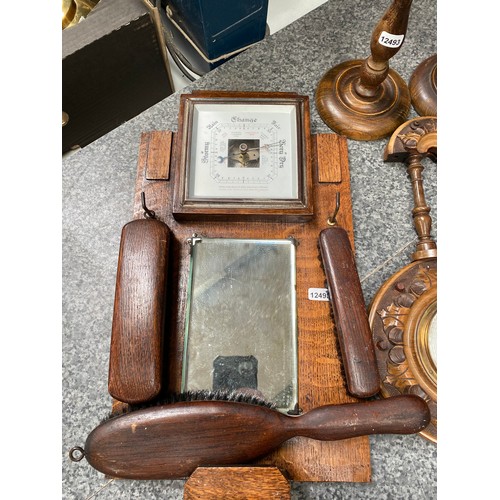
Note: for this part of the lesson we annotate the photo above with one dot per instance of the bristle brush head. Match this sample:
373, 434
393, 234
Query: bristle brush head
248, 396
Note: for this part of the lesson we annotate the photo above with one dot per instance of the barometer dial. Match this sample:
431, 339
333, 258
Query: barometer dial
243, 151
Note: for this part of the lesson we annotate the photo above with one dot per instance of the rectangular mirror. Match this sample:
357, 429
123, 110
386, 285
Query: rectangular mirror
241, 319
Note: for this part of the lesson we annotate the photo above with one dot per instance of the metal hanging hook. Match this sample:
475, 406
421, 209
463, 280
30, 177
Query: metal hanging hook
76, 453
332, 221
148, 214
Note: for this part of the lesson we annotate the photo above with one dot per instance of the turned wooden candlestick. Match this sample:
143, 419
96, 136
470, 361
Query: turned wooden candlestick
365, 99
423, 87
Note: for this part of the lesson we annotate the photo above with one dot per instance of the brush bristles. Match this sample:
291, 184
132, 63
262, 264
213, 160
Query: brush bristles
248, 396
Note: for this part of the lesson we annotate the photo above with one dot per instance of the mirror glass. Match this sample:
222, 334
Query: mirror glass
433, 338
241, 319
244, 151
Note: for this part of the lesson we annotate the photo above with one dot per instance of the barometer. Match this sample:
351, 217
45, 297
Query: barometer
243, 156
403, 313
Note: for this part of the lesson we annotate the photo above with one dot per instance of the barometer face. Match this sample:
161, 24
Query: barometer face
243, 151
243, 155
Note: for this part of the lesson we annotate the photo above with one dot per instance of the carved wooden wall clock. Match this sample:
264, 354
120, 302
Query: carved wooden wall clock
243, 156
403, 313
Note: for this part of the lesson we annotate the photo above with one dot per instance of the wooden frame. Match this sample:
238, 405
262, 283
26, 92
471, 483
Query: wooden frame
396, 318
245, 208
418, 346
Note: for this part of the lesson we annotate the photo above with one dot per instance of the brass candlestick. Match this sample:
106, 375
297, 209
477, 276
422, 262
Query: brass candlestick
366, 100
73, 11
410, 143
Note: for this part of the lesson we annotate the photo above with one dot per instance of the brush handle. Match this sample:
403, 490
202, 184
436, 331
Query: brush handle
135, 358
351, 318
171, 441
395, 415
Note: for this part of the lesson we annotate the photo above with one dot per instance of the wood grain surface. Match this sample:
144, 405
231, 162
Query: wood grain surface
244, 483
320, 373
170, 441
350, 313
159, 151
136, 351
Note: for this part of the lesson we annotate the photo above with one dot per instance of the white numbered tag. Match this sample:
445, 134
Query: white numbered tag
390, 40
318, 294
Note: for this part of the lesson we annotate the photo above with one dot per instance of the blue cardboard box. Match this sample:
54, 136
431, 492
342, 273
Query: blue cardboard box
208, 32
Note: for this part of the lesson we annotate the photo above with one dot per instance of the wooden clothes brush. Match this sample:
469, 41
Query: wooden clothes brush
170, 441
351, 318
135, 356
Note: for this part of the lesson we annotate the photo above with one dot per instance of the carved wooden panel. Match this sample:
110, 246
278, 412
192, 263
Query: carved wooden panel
390, 314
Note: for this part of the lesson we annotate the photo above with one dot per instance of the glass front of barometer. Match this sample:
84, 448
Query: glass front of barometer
243, 151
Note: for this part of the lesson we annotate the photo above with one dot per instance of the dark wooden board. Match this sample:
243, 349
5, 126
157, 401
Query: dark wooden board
321, 379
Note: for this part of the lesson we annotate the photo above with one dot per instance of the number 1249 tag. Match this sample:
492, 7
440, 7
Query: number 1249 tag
318, 294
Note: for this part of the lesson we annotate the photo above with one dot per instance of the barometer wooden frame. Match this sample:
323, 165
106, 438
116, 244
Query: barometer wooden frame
234, 208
